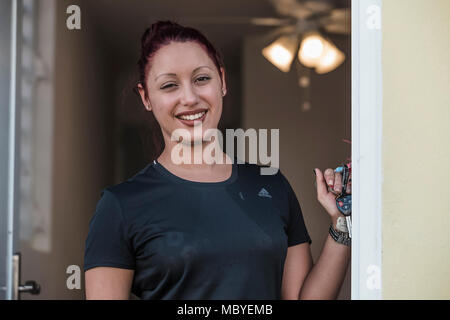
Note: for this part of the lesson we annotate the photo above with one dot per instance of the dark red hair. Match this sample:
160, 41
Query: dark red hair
159, 34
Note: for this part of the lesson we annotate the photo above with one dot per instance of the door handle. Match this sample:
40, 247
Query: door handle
30, 286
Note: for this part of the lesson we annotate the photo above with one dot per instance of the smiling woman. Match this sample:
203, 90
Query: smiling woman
179, 94
156, 37
202, 230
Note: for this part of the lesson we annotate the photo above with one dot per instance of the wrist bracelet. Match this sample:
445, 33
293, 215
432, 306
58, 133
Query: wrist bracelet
340, 237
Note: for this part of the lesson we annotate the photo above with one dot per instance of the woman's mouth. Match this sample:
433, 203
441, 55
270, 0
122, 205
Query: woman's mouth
189, 119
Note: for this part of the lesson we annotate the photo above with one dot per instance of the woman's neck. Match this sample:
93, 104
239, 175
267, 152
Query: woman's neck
205, 162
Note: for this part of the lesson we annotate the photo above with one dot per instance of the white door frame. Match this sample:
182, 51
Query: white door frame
24, 208
11, 154
366, 149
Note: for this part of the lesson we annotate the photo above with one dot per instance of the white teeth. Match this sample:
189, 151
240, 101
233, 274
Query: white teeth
193, 116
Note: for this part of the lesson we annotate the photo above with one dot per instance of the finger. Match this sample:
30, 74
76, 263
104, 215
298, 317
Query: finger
329, 177
338, 182
321, 185
349, 184
349, 188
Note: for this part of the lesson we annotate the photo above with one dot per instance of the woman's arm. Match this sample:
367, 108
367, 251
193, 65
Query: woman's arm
302, 280
106, 283
297, 266
325, 279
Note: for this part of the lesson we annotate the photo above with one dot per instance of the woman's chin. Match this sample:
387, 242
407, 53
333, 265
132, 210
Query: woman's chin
192, 140
201, 134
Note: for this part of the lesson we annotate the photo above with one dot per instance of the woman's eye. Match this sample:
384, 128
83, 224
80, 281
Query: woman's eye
170, 85
204, 78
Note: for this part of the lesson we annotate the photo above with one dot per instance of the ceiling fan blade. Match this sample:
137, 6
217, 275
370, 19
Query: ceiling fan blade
319, 6
337, 28
259, 21
341, 15
275, 33
292, 8
338, 21
271, 22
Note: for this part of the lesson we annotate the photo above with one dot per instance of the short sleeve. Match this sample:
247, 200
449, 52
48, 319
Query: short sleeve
296, 230
107, 243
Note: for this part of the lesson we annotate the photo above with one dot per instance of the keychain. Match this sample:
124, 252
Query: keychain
344, 199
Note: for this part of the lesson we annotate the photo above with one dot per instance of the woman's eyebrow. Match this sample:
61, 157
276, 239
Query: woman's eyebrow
165, 74
173, 74
201, 67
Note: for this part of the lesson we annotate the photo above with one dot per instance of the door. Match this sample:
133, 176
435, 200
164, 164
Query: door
25, 141
56, 142
8, 31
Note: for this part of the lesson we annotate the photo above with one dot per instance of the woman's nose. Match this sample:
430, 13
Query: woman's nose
188, 96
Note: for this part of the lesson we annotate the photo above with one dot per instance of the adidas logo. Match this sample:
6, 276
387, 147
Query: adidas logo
264, 193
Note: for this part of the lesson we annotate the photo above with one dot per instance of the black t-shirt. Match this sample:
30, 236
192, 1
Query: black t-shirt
198, 240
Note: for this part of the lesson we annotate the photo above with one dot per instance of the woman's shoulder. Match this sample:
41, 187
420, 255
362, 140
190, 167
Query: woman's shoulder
137, 184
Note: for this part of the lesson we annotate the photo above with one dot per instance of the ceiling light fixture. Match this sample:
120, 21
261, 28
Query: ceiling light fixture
315, 52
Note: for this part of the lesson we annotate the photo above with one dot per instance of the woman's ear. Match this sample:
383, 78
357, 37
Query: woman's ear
144, 98
224, 84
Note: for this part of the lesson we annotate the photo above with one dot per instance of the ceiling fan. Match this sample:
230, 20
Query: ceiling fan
308, 22
333, 16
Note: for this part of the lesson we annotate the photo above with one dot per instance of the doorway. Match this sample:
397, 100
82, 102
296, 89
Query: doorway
79, 127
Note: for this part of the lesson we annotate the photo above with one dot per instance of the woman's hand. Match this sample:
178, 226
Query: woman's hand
329, 185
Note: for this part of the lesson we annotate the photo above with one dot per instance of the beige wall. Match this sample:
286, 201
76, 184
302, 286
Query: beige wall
416, 152
308, 140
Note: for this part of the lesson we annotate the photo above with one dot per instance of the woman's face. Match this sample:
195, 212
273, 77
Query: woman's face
184, 89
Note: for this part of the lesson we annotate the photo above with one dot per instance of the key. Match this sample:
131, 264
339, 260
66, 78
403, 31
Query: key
348, 219
344, 200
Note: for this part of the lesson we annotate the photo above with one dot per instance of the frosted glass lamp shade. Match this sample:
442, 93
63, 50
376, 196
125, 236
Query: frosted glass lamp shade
281, 52
330, 60
311, 50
